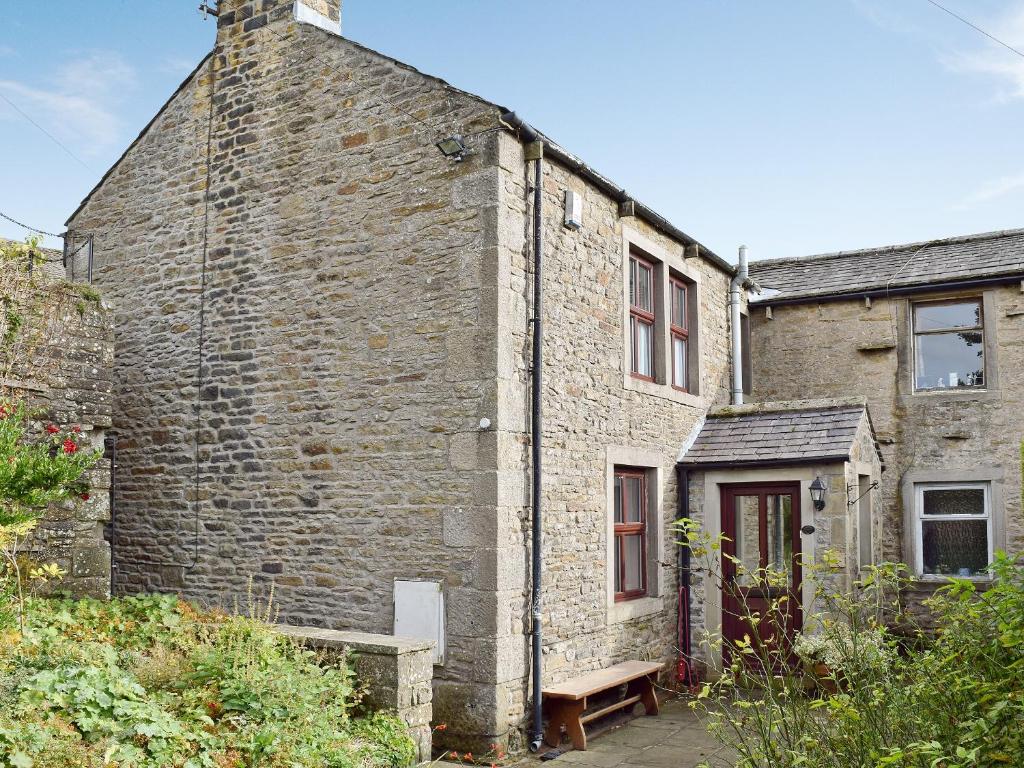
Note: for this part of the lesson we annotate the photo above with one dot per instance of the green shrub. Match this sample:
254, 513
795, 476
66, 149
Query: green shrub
148, 681
895, 693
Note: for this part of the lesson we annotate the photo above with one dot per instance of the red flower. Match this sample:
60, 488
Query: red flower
76, 429
70, 446
53, 429
4, 413
84, 496
440, 727
468, 756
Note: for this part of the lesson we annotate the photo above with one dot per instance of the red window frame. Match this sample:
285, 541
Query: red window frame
680, 331
624, 529
639, 315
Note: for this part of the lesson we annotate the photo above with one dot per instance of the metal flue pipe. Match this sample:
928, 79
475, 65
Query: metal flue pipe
736, 288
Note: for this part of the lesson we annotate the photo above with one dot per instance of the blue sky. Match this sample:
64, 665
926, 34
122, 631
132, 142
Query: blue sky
794, 126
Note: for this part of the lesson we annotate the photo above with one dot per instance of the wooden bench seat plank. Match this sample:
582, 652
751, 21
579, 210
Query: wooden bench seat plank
601, 680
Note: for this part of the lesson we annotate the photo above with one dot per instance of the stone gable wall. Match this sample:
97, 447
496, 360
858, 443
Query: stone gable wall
347, 353
846, 348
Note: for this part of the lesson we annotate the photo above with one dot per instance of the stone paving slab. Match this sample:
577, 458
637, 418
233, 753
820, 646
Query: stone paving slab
677, 738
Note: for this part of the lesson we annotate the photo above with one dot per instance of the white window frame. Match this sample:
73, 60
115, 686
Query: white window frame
919, 517
914, 335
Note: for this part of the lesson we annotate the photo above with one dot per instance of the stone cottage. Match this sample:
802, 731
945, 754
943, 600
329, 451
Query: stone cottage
376, 337
323, 268
931, 335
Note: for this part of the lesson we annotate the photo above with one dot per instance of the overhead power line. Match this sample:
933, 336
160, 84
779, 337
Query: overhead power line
976, 28
26, 226
49, 135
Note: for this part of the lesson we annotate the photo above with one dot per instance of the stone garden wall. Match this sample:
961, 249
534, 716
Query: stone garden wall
69, 378
395, 674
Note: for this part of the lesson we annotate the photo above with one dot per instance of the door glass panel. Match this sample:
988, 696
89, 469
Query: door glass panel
748, 550
780, 533
632, 549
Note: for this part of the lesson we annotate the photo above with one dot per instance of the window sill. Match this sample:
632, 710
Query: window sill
627, 610
664, 391
950, 395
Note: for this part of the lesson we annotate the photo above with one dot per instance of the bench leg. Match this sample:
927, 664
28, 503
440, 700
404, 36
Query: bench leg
574, 726
644, 688
567, 713
649, 697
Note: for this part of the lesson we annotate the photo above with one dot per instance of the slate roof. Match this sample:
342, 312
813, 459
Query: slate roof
986, 255
776, 433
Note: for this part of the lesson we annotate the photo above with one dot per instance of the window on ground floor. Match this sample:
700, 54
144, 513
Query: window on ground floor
953, 529
630, 531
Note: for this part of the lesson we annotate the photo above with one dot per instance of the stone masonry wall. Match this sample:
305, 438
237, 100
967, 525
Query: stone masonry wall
586, 410
347, 354
847, 348
70, 382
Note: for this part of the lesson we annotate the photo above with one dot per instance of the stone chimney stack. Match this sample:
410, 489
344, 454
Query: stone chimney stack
239, 17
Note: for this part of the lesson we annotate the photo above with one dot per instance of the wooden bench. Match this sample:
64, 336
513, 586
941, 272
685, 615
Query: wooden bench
566, 703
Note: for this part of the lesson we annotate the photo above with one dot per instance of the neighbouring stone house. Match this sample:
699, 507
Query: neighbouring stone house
57, 355
932, 336
322, 363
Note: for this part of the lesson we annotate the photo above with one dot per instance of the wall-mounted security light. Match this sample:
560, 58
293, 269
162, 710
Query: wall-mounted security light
453, 147
818, 494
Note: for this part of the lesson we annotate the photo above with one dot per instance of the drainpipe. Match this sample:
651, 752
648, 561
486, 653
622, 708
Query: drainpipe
537, 432
534, 151
735, 294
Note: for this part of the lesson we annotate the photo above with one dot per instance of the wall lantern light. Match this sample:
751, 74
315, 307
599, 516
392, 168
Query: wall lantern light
453, 147
818, 494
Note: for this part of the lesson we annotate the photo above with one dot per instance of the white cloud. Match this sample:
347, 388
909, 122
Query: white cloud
992, 190
79, 103
994, 60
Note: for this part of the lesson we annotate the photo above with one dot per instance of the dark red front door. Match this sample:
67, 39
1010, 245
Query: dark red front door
761, 568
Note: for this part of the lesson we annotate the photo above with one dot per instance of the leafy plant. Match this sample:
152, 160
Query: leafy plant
39, 466
895, 693
151, 681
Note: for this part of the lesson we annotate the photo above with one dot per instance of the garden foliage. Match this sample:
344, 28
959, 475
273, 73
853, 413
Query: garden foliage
149, 681
872, 683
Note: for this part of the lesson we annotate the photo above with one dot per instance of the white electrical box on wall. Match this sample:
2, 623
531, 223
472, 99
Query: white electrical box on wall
573, 209
419, 613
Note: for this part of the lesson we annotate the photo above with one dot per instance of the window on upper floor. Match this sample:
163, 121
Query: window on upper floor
630, 531
680, 324
949, 349
953, 529
641, 317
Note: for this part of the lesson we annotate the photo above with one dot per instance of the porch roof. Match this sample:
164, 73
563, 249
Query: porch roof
794, 432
